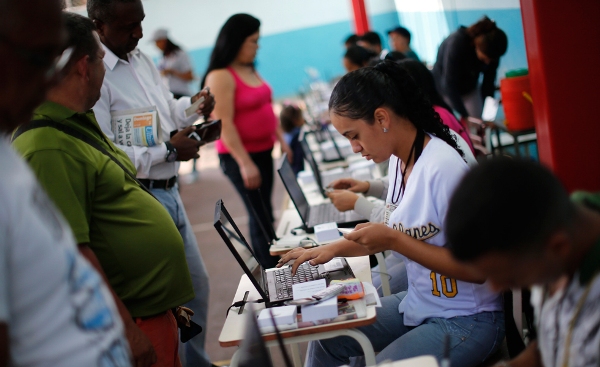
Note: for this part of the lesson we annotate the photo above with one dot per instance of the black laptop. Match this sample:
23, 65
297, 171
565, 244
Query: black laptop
322, 182
275, 285
316, 214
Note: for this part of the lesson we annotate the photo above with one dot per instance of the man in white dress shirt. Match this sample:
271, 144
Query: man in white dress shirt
132, 81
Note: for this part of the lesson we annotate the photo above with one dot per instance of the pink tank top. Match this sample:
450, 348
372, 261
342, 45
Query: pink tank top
253, 116
449, 120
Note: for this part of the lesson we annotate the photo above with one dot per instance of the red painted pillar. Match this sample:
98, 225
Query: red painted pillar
361, 22
563, 53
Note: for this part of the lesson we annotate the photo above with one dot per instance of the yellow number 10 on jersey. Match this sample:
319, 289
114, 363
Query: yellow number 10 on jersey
449, 288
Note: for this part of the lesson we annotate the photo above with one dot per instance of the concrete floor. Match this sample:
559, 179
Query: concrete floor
199, 198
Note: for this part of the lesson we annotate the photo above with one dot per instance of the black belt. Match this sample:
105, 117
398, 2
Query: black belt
159, 184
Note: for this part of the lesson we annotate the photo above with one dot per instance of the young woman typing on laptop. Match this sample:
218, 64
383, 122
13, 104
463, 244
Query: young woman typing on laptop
385, 115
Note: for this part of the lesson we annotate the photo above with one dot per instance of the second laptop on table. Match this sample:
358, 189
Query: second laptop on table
315, 214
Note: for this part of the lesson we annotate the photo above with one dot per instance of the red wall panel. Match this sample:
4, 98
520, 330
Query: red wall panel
563, 52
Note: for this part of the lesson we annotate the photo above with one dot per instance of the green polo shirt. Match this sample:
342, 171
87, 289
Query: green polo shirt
131, 233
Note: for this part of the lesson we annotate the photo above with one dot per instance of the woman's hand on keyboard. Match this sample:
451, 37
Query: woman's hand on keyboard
315, 256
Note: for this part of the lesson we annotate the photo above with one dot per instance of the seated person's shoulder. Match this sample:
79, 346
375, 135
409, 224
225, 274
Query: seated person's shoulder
444, 163
43, 138
47, 140
444, 156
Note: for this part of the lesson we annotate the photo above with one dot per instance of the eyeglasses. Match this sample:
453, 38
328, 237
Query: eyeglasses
47, 60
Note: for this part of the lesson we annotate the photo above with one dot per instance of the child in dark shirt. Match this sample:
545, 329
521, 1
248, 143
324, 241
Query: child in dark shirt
291, 122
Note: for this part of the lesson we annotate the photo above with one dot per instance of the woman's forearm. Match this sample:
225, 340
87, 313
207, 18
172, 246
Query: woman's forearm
437, 259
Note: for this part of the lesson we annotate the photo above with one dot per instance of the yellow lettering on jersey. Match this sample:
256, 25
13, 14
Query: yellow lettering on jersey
449, 286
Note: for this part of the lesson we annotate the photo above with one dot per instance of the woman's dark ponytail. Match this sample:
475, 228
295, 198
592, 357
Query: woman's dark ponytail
359, 93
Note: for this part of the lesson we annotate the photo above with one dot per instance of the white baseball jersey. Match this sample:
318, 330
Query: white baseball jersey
421, 213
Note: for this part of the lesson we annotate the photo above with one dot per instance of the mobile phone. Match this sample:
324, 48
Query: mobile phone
187, 333
207, 132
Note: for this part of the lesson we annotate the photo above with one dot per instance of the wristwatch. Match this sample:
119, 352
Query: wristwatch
171, 155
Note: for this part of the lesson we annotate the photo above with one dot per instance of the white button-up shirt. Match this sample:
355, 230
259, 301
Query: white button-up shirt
134, 84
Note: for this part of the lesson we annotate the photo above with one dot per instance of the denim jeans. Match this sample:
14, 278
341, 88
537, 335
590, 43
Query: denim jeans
192, 352
472, 338
252, 199
396, 274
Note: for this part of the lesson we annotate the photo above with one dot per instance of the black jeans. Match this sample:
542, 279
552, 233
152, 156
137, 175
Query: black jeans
252, 199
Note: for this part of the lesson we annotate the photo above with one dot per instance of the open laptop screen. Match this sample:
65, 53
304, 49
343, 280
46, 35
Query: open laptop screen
293, 188
313, 164
222, 223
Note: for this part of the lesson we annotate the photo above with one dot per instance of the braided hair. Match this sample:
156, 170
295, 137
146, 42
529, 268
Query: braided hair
359, 93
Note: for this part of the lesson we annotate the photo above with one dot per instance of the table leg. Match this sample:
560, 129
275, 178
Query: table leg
383, 274
296, 357
235, 359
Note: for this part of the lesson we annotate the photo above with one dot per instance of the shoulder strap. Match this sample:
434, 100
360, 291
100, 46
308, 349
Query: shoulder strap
35, 124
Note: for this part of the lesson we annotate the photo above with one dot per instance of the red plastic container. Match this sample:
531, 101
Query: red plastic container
518, 106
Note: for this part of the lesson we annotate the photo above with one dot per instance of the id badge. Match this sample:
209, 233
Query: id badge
389, 209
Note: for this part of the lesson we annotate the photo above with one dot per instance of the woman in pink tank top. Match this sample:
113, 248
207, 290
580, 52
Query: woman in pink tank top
250, 127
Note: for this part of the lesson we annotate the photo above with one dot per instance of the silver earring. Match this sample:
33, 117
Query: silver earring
385, 130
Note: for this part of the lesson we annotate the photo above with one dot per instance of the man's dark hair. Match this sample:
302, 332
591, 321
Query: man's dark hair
371, 38
351, 40
359, 55
103, 9
80, 31
506, 205
401, 31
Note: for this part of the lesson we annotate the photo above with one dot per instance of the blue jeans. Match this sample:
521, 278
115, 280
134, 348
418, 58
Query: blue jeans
472, 338
192, 352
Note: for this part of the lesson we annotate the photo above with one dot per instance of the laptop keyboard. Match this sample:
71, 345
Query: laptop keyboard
329, 178
284, 279
325, 213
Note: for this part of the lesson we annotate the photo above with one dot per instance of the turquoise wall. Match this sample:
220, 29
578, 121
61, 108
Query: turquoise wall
284, 57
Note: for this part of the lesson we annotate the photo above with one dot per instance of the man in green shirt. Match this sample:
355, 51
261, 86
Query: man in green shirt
130, 233
513, 222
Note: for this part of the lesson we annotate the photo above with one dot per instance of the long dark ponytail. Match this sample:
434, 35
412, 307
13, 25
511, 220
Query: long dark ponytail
359, 93
229, 41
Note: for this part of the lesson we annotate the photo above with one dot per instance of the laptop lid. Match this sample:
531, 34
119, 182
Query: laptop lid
221, 219
335, 146
313, 166
264, 221
293, 188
